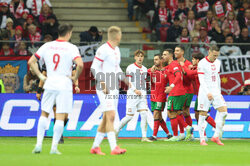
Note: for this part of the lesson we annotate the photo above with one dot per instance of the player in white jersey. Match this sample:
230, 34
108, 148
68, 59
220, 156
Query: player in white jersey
137, 75
58, 57
107, 72
210, 93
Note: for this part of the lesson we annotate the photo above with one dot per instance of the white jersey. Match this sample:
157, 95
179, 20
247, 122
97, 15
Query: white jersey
58, 57
208, 73
137, 76
106, 65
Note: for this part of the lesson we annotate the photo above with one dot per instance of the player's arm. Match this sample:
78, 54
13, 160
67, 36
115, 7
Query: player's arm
79, 67
177, 74
34, 66
189, 72
40, 87
77, 89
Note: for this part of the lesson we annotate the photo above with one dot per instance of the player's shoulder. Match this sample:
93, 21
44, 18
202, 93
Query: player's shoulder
144, 68
202, 61
130, 66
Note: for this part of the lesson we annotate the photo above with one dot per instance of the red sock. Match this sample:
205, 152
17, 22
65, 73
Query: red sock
174, 125
205, 133
211, 121
156, 127
164, 126
181, 121
188, 120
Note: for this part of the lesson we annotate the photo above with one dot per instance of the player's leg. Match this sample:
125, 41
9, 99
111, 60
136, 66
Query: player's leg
174, 124
156, 116
186, 109
61, 141
123, 122
46, 106
220, 105
161, 107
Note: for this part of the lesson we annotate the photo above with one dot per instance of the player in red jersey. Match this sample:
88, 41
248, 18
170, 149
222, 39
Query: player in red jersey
194, 76
176, 97
187, 83
158, 80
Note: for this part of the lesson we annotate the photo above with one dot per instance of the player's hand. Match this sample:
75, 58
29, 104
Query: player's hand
168, 89
105, 91
181, 63
77, 89
38, 96
137, 92
153, 68
210, 96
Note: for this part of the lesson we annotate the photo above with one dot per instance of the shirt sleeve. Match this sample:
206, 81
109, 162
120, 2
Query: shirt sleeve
75, 53
41, 53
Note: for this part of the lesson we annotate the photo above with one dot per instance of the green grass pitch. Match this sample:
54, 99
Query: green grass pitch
17, 152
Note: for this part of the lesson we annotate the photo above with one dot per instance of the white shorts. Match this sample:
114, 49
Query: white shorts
135, 104
108, 102
204, 103
62, 99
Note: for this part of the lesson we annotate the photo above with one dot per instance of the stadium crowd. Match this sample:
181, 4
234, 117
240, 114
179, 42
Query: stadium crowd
26, 22
202, 22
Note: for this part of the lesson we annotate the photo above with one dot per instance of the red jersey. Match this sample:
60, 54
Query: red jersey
187, 80
193, 74
174, 74
158, 81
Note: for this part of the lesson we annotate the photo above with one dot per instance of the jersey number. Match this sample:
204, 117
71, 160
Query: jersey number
56, 60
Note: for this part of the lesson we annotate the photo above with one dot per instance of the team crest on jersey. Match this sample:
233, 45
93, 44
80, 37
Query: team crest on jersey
213, 67
175, 68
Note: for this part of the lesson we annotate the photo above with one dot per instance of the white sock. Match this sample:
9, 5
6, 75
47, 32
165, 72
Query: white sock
143, 123
220, 123
202, 124
98, 139
124, 121
41, 127
112, 140
58, 130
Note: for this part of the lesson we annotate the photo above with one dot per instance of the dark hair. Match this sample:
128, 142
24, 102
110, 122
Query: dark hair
181, 47
64, 29
198, 56
169, 50
230, 35
214, 48
159, 55
93, 29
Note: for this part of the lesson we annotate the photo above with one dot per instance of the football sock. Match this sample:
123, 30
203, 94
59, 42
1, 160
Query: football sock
202, 124
112, 140
164, 126
220, 123
58, 130
174, 125
211, 121
156, 127
181, 120
180, 124
41, 127
143, 123
98, 139
124, 121
188, 120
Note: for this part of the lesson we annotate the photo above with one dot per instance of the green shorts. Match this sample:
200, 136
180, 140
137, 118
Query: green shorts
175, 103
157, 106
188, 99
196, 105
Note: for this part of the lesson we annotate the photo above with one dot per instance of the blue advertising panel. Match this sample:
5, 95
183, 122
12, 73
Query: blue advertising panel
19, 114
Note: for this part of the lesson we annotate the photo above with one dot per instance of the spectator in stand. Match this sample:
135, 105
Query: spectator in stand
18, 37
47, 38
184, 37
6, 50
232, 23
190, 22
10, 27
30, 82
24, 17
22, 49
221, 9
244, 15
230, 49
16, 8
174, 31
34, 36
200, 9
182, 11
195, 46
4, 14
48, 22
245, 90
244, 38
146, 7
207, 22
92, 35
216, 33
162, 18
225, 32
35, 6
196, 30
190, 3
29, 21
204, 39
